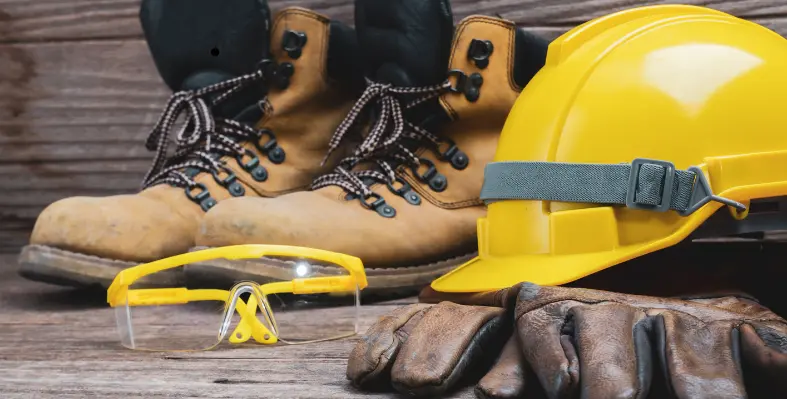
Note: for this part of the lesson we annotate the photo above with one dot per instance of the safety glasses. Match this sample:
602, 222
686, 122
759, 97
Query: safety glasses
182, 319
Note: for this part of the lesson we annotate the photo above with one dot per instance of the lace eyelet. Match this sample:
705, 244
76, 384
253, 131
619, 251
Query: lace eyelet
265, 133
401, 190
286, 70
259, 174
283, 75
268, 68
202, 198
460, 161
378, 200
271, 147
253, 167
227, 181
480, 51
248, 166
203, 192
438, 183
431, 170
236, 190
412, 198
293, 42
470, 86
230, 183
405, 191
456, 157
277, 155
208, 204
472, 94
461, 80
379, 205
386, 211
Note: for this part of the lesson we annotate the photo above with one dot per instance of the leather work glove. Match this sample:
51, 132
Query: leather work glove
571, 342
425, 350
598, 344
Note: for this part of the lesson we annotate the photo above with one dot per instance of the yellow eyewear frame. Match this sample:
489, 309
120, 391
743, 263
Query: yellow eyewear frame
250, 326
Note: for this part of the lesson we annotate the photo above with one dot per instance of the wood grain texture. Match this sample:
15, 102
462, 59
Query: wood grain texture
57, 342
73, 117
59, 20
79, 93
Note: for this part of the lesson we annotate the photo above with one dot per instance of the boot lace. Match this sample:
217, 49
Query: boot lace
202, 139
385, 147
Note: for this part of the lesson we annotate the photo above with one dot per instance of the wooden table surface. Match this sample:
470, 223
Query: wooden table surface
57, 342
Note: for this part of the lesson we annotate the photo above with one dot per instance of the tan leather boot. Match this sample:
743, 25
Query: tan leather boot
408, 202
84, 241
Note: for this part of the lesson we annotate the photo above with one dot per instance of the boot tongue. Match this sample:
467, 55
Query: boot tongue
197, 43
405, 42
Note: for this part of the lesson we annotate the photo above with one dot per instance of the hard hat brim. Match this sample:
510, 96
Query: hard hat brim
483, 274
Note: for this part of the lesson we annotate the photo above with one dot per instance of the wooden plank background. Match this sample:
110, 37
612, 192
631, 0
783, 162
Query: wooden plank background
78, 91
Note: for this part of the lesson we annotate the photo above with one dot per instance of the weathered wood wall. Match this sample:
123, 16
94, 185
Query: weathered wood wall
78, 91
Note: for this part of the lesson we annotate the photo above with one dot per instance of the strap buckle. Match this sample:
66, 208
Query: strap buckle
666, 193
701, 193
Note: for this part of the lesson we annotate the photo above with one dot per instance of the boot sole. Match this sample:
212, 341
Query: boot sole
60, 267
383, 282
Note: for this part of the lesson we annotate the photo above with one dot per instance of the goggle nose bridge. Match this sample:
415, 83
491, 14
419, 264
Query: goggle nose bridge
254, 293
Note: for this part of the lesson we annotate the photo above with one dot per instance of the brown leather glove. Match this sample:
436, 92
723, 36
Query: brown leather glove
605, 345
426, 350
624, 345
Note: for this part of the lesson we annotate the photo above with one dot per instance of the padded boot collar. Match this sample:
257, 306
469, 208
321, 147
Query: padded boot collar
405, 42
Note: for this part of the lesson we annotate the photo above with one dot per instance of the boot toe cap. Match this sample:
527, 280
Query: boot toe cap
126, 227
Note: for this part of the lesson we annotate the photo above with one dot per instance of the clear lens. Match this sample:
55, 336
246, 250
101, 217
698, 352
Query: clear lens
177, 327
295, 325
200, 319
294, 315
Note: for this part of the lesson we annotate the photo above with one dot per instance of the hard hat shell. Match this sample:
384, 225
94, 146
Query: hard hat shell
683, 84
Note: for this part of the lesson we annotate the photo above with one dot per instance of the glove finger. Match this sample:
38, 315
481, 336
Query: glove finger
373, 356
764, 352
614, 350
551, 354
449, 341
700, 360
507, 379
502, 298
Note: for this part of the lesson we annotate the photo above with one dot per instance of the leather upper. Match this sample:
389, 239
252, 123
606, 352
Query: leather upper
441, 226
161, 221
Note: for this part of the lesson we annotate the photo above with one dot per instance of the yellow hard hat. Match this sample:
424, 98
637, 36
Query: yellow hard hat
644, 128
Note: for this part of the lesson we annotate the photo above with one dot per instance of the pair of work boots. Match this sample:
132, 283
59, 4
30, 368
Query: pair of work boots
369, 141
